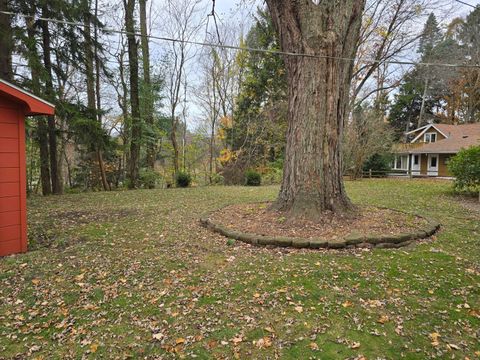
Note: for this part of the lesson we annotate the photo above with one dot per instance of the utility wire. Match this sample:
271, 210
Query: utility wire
465, 3
249, 49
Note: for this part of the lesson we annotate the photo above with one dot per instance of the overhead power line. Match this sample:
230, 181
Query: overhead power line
240, 48
465, 3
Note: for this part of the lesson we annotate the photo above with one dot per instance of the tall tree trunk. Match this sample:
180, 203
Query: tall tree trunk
318, 91
422, 107
42, 130
147, 83
173, 138
134, 97
92, 85
6, 43
57, 183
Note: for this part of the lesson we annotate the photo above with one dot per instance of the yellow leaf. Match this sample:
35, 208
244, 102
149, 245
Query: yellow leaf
180, 341
434, 337
347, 304
36, 281
256, 295
314, 346
80, 277
93, 348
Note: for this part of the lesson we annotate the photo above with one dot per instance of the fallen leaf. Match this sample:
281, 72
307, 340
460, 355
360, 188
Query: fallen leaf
314, 346
434, 337
453, 346
383, 319
299, 309
355, 345
264, 342
347, 304
180, 341
93, 348
158, 336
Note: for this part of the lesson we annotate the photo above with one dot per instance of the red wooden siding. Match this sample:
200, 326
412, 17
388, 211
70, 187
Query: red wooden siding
15, 103
12, 194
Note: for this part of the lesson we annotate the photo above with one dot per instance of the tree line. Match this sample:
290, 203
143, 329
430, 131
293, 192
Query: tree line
127, 116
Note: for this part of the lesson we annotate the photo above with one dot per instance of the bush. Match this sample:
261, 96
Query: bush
465, 166
183, 179
378, 162
253, 178
148, 178
217, 179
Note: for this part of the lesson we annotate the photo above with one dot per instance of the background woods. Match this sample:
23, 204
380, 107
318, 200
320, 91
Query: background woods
135, 109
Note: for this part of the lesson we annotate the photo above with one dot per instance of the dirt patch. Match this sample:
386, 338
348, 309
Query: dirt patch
470, 203
259, 219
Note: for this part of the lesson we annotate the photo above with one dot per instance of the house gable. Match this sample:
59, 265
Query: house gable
428, 129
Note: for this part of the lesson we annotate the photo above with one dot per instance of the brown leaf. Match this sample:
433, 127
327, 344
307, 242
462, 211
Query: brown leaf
383, 319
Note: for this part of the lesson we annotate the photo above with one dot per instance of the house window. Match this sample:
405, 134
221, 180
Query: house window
400, 162
433, 162
415, 159
430, 137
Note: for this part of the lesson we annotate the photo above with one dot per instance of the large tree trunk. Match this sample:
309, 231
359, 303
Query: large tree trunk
134, 97
148, 95
6, 43
42, 132
57, 183
317, 102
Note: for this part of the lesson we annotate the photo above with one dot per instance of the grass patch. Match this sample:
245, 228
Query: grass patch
133, 274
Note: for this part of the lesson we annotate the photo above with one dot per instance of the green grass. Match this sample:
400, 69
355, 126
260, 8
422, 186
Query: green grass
108, 271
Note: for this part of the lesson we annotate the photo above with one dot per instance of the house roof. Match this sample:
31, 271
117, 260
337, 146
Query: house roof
458, 137
33, 104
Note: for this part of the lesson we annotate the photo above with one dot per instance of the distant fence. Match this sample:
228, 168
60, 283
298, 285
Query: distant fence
382, 173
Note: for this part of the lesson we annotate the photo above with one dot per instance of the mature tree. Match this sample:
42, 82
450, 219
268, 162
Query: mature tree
147, 93
133, 166
6, 43
318, 96
470, 37
431, 37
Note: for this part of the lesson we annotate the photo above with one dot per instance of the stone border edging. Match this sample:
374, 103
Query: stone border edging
353, 240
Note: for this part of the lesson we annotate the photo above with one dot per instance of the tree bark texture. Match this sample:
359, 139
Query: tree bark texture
318, 89
93, 98
148, 100
6, 43
134, 97
57, 183
42, 131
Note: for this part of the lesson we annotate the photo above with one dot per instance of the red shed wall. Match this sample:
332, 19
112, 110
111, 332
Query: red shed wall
13, 224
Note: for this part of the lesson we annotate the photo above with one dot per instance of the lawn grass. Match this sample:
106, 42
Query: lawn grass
132, 274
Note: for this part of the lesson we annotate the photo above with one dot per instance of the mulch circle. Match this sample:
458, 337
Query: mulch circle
370, 226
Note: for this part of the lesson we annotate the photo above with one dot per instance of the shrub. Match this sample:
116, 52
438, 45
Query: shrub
183, 179
378, 163
148, 178
217, 179
465, 166
252, 178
